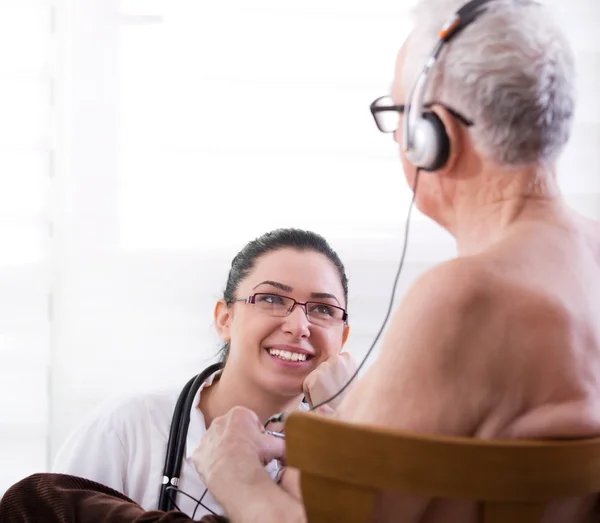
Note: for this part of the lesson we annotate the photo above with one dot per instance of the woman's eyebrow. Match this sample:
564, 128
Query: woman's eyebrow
276, 284
323, 295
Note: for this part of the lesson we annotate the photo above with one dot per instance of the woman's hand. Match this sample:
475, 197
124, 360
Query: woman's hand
328, 378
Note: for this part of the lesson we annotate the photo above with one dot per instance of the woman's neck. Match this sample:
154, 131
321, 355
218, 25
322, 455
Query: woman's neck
230, 391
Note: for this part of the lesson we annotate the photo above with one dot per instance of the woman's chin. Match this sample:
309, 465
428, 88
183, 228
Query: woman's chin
284, 387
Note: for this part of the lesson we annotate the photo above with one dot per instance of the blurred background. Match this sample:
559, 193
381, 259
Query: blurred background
144, 142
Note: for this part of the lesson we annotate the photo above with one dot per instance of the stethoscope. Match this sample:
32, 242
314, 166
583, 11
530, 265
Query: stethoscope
178, 435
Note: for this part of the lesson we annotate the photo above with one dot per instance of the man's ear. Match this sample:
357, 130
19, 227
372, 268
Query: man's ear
455, 131
222, 315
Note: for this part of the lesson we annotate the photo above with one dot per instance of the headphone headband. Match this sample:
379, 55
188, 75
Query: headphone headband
465, 16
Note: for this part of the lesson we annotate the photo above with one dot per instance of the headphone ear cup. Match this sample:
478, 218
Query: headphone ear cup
441, 141
431, 147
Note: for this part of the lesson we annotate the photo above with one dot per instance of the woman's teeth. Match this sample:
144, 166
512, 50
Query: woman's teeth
287, 355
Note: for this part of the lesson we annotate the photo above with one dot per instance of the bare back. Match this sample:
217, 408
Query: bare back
540, 355
549, 316
551, 340
547, 335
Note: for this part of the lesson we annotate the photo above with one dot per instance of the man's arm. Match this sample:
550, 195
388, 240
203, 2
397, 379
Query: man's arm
433, 372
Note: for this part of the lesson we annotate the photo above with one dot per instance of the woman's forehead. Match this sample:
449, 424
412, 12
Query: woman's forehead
302, 271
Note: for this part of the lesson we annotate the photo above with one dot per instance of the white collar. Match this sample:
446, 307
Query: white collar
197, 426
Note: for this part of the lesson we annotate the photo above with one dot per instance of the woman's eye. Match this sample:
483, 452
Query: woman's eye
271, 298
322, 309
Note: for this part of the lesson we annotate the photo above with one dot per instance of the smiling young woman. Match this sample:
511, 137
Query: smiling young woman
283, 322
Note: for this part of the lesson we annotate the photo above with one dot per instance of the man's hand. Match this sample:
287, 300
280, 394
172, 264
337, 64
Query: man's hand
328, 378
234, 451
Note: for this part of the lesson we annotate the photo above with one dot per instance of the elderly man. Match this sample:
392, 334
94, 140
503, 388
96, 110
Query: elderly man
504, 340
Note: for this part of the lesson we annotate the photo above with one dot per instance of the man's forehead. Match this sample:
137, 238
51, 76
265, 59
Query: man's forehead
396, 89
402, 52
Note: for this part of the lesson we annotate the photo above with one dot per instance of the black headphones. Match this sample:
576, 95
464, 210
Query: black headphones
424, 138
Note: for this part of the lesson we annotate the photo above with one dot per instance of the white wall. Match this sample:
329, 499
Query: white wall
149, 224
27, 71
179, 130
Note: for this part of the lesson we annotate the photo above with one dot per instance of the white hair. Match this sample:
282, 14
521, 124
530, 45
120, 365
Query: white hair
511, 71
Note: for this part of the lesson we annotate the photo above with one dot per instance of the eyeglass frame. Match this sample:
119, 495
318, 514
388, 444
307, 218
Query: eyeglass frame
252, 300
400, 109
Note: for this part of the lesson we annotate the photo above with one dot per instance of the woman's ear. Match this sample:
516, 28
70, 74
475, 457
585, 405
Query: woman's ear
222, 315
345, 335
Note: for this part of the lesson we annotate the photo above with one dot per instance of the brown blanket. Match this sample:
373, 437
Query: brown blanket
59, 498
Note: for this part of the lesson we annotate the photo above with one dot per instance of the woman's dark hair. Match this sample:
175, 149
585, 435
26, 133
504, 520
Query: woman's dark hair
275, 240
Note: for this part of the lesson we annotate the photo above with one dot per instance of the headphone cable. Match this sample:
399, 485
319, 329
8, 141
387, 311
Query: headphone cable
391, 303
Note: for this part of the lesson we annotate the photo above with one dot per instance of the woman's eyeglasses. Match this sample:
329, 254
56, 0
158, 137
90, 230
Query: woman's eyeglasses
319, 313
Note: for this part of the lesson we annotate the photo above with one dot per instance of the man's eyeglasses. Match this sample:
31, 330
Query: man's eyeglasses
322, 314
387, 115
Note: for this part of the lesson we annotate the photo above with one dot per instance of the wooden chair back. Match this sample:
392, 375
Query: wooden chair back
343, 466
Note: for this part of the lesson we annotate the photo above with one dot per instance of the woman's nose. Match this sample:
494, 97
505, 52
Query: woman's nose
296, 322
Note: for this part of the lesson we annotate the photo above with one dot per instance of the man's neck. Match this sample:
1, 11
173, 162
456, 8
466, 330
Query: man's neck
230, 391
484, 216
